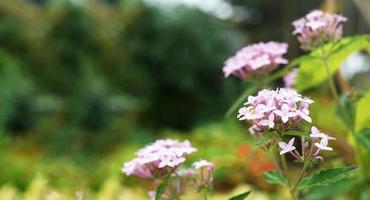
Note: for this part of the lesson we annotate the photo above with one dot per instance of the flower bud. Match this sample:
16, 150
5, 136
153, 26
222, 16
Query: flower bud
204, 178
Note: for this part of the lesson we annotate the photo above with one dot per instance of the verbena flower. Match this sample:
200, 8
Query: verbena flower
291, 78
318, 28
311, 148
256, 59
159, 158
275, 110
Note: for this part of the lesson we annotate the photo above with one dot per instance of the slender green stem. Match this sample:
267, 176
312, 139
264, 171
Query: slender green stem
294, 191
325, 57
330, 79
283, 72
248, 91
278, 162
333, 89
285, 169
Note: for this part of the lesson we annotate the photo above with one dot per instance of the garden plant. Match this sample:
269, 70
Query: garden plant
279, 116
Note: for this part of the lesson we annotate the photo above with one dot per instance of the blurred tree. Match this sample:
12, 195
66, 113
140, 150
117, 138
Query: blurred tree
183, 51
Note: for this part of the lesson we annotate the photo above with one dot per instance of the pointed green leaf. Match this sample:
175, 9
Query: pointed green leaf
241, 196
312, 71
326, 191
274, 177
326, 177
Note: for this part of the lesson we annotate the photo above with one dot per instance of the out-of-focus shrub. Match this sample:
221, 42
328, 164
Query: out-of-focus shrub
18, 111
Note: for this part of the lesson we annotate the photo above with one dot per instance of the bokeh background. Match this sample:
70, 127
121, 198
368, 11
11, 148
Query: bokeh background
85, 83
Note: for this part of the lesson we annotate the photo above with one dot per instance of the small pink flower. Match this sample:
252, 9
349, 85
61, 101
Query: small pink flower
246, 113
316, 133
285, 113
304, 115
287, 147
269, 122
323, 145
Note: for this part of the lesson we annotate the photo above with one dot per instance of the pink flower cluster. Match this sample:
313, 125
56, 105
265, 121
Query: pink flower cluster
310, 150
256, 59
275, 110
159, 159
291, 78
318, 28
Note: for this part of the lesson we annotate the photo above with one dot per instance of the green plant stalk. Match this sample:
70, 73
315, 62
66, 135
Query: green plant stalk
281, 165
331, 81
293, 190
278, 162
285, 169
360, 157
248, 91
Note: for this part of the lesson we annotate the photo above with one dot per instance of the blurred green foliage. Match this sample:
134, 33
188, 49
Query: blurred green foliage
86, 54
83, 84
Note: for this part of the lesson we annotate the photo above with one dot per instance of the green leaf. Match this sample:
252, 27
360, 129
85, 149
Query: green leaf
160, 190
312, 71
274, 177
248, 91
326, 191
241, 196
326, 177
363, 137
362, 112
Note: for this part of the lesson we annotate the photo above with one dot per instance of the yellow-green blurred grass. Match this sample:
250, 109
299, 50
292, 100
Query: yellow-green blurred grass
112, 189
